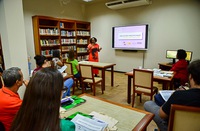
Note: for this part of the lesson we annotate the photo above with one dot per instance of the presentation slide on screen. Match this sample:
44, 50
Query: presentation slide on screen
130, 37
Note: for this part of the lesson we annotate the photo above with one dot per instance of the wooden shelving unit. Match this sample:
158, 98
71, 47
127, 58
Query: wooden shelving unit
61, 34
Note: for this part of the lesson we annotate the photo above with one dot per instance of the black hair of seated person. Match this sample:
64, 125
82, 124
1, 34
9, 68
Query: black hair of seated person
56, 53
10, 76
194, 71
41, 103
181, 54
40, 59
71, 55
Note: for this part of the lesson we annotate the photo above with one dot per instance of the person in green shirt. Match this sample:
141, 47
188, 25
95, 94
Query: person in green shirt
75, 67
41, 104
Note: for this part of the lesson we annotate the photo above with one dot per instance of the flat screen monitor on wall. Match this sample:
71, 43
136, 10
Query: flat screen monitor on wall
171, 54
133, 37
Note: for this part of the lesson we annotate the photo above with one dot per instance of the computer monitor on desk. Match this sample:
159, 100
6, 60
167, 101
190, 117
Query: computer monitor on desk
171, 54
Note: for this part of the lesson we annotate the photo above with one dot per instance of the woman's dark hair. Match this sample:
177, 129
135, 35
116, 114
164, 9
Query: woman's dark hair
56, 53
71, 55
93, 38
41, 103
40, 59
11, 75
181, 54
194, 71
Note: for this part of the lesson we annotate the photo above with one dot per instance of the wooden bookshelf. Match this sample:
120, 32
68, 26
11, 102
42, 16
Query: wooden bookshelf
61, 34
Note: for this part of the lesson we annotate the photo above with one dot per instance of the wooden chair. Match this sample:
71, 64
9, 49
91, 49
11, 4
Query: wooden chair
88, 77
184, 118
69, 71
143, 84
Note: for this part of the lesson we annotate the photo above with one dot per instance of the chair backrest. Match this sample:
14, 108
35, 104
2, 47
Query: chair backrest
184, 118
86, 71
143, 78
69, 69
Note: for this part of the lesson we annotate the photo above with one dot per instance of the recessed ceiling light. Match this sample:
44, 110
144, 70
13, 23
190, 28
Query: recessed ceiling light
87, 0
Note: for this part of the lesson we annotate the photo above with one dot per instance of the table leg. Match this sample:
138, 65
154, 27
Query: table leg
103, 78
129, 90
112, 76
165, 85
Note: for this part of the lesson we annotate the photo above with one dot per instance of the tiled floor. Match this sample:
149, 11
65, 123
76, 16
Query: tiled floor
118, 93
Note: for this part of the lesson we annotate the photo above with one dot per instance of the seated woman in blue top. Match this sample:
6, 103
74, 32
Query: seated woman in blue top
41, 104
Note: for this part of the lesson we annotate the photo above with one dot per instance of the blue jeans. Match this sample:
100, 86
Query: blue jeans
67, 84
152, 107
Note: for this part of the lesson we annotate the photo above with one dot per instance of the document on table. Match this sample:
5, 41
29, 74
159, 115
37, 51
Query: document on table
163, 73
166, 94
87, 124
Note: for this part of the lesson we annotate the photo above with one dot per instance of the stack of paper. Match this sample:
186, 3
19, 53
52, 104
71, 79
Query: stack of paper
86, 124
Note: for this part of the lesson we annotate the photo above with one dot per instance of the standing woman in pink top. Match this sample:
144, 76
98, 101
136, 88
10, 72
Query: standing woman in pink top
94, 49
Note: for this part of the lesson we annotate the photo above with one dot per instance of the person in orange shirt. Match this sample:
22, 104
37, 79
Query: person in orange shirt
93, 49
10, 101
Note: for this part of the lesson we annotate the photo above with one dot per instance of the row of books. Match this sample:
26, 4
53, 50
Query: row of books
83, 33
49, 42
82, 41
81, 50
83, 58
68, 41
67, 48
48, 52
68, 33
49, 31
73, 33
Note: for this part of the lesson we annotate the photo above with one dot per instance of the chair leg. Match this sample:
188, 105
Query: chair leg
83, 88
94, 89
102, 87
151, 97
133, 99
73, 88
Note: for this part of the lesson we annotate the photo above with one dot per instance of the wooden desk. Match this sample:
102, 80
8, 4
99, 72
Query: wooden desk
165, 66
101, 66
128, 118
164, 80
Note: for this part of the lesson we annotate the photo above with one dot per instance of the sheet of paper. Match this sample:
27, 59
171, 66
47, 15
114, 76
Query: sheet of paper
86, 124
166, 94
62, 69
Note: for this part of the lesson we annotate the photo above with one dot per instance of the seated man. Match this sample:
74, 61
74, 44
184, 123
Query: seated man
190, 97
10, 101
